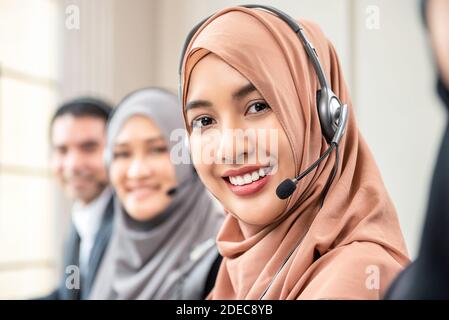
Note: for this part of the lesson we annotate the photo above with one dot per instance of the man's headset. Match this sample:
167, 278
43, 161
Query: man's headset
332, 113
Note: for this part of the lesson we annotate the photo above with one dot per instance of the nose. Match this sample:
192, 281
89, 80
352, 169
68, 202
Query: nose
73, 162
139, 168
236, 145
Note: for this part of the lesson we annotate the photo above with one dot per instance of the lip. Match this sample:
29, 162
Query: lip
246, 189
139, 193
250, 188
241, 171
78, 180
78, 184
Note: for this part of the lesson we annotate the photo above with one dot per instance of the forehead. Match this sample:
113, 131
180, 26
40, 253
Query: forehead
212, 73
138, 127
68, 129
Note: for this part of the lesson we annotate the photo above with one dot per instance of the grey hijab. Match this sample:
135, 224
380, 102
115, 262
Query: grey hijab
169, 256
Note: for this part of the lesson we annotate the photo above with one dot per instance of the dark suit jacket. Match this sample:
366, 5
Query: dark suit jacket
71, 258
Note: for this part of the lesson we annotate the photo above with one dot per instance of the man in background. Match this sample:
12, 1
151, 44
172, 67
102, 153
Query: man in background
77, 135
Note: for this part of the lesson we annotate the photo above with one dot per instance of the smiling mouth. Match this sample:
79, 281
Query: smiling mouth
141, 192
250, 177
248, 183
79, 185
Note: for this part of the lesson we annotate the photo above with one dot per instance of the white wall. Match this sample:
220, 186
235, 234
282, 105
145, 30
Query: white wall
398, 112
176, 18
29, 85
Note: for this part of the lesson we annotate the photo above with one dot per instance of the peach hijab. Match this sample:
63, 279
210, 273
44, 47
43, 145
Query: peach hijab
352, 247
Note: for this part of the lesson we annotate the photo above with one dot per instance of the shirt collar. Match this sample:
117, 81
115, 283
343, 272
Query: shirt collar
87, 218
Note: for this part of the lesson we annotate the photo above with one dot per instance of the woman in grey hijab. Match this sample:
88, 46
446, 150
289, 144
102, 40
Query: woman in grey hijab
163, 243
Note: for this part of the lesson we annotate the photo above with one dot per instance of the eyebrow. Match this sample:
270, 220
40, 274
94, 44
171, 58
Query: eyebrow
237, 95
89, 143
85, 143
198, 104
243, 91
147, 141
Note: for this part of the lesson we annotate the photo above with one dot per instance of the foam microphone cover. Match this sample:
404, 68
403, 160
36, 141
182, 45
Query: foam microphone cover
285, 189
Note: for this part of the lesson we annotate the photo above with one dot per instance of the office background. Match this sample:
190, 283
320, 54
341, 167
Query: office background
124, 45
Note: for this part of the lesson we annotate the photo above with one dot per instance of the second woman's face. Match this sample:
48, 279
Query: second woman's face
237, 144
141, 171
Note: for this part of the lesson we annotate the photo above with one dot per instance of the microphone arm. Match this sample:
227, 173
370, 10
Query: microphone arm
286, 188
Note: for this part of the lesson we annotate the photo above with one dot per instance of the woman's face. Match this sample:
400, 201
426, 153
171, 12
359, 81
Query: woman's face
141, 171
237, 144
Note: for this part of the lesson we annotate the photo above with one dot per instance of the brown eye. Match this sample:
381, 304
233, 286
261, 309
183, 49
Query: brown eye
120, 154
257, 107
202, 122
158, 150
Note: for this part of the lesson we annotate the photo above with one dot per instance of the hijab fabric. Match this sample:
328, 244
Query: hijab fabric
352, 246
155, 259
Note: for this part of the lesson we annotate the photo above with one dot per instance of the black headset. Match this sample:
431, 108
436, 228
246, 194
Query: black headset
332, 113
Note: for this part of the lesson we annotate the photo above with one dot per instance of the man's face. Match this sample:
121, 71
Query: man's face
77, 156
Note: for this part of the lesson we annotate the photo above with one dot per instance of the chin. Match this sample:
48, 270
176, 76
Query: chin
249, 215
82, 193
140, 215
144, 212
261, 210
78, 196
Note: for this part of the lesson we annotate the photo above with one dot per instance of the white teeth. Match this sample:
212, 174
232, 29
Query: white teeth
248, 177
255, 176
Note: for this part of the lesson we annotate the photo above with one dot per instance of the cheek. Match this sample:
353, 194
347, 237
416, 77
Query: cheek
117, 174
56, 164
205, 173
202, 148
287, 161
279, 147
168, 170
197, 150
94, 164
202, 155
96, 160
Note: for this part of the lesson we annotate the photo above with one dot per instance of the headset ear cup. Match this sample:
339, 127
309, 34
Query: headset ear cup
318, 97
329, 107
323, 115
318, 100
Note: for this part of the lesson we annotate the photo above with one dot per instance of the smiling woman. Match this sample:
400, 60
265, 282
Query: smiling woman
245, 69
141, 170
163, 246
233, 103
